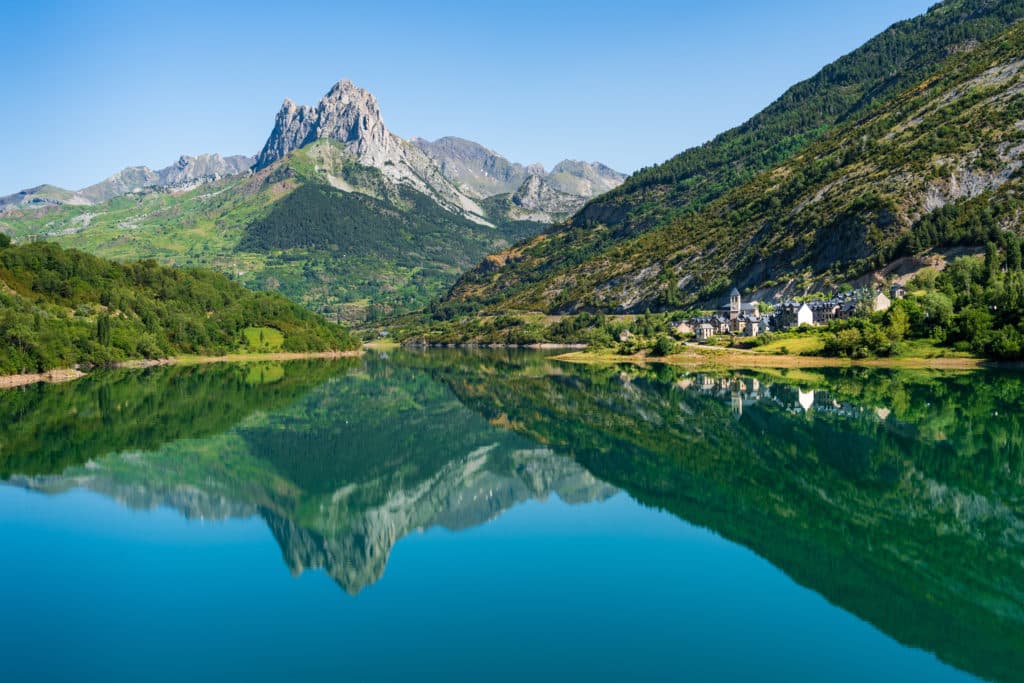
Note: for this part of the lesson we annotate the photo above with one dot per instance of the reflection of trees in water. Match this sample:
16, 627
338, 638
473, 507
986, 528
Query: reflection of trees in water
342, 471
45, 428
896, 495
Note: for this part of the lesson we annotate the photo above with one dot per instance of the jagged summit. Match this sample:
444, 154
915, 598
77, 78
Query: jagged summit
351, 115
347, 113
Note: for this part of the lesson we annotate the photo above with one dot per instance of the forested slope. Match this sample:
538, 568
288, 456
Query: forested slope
60, 308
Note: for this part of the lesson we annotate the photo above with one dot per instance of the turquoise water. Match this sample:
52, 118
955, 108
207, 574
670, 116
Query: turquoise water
498, 517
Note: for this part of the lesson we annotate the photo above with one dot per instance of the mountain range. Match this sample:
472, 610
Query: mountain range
900, 155
335, 211
187, 173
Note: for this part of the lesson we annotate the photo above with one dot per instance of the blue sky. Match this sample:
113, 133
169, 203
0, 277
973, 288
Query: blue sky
91, 87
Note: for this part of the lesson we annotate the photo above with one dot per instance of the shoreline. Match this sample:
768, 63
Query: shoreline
733, 360
542, 346
59, 375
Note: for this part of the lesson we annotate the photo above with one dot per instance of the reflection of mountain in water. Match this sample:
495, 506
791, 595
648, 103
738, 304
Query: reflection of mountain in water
469, 491
343, 473
898, 496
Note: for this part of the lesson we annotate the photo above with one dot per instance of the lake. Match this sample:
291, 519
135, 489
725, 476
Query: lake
467, 516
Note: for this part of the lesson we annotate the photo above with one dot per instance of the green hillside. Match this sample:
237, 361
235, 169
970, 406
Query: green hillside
60, 308
367, 246
580, 264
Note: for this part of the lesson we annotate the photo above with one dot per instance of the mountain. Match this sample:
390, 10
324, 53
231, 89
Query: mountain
735, 209
584, 179
337, 212
455, 173
41, 197
482, 172
478, 171
186, 173
351, 116
61, 308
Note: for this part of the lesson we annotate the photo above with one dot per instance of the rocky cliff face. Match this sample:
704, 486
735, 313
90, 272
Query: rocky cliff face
184, 174
585, 179
483, 173
537, 198
351, 115
476, 169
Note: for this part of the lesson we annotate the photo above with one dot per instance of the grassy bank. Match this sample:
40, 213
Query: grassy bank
709, 358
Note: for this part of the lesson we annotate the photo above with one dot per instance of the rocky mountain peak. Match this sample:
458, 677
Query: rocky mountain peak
538, 197
350, 115
347, 113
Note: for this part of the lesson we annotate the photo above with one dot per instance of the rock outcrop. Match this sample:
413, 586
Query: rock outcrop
351, 115
583, 178
477, 170
537, 197
184, 174
482, 173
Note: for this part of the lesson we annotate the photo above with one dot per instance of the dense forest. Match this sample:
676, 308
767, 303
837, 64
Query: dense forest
61, 308
378, 254
974, 305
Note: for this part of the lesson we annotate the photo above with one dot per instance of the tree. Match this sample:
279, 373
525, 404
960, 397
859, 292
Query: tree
103, 330
1013, 253
899, 322
991, 261
5, 241
664, 346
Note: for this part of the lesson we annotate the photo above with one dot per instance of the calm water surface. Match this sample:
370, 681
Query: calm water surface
469, 516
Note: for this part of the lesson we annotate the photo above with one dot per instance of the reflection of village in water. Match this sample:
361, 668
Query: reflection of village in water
741, 392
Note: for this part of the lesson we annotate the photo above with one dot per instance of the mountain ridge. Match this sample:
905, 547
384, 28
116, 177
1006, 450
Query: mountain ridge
337, 213
683, 247
481, 171
535, 273
185, 173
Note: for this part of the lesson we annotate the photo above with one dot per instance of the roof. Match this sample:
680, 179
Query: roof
734, 292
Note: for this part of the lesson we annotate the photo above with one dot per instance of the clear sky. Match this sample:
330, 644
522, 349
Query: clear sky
91, 86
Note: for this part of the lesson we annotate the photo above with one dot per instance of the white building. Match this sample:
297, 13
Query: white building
804, 316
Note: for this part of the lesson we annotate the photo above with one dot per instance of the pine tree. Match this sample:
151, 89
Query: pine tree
103, 330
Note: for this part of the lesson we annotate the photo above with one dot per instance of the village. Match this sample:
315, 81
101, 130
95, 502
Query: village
754, 318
